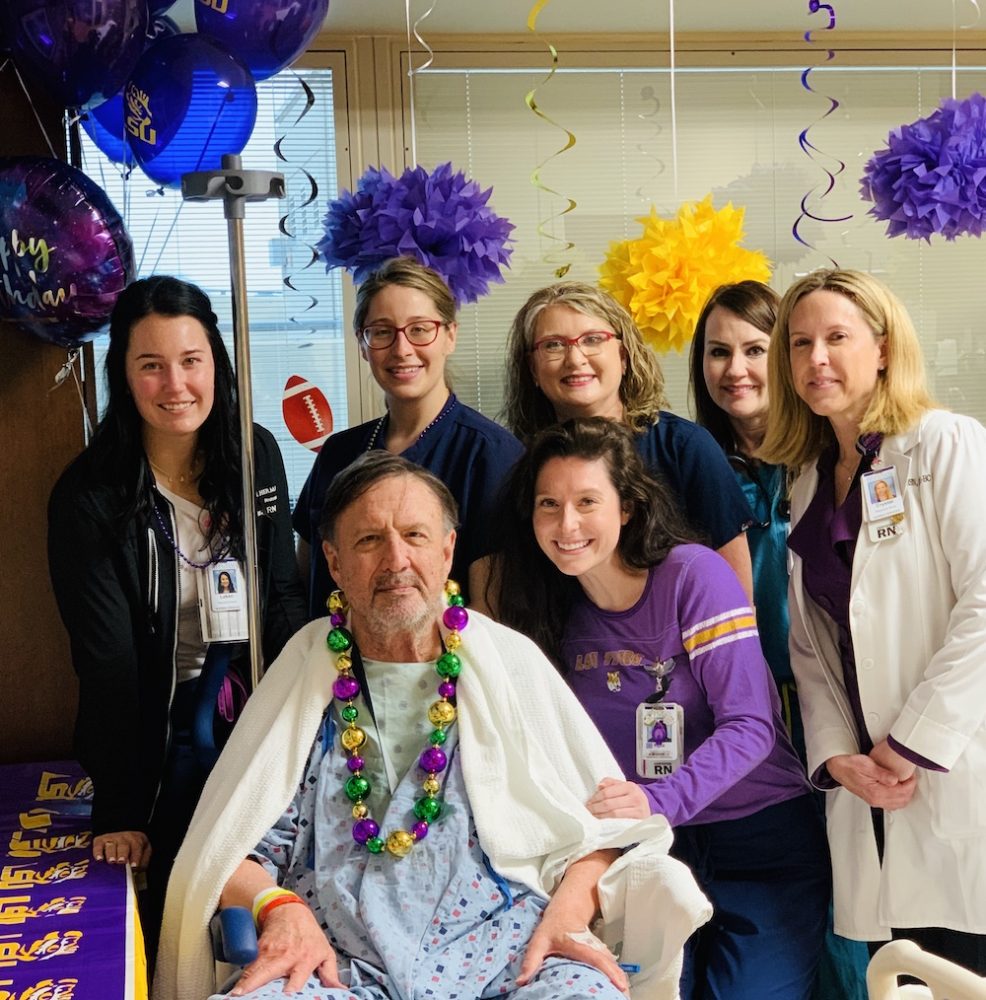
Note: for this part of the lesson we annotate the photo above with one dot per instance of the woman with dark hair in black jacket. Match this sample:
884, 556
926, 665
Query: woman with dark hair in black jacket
136, 525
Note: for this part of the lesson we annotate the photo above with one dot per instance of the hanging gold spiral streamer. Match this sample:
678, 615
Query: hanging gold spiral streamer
552, 258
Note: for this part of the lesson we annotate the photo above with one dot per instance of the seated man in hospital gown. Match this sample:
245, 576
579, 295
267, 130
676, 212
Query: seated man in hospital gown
402, 802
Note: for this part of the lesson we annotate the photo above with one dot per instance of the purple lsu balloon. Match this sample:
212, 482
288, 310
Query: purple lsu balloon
65, 254
265, 35
78, 51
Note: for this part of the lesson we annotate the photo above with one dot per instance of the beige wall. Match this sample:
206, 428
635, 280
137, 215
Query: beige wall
42, 431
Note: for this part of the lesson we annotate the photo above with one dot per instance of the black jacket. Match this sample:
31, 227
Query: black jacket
118, 597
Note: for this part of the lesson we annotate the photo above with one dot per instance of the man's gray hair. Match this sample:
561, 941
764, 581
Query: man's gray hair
353, 481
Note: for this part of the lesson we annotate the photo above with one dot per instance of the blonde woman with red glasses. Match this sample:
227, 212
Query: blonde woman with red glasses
574, 351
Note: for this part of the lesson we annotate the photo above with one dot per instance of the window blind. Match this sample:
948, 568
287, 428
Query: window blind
737, 137
296, 330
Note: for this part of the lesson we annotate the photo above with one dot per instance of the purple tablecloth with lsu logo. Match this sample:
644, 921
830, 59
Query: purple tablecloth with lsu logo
68, 925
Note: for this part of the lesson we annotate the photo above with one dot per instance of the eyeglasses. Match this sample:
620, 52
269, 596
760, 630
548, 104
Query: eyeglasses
589, 343
748, 468
420, 333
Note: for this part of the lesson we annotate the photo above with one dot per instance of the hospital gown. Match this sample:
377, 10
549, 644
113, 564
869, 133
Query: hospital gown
439, 923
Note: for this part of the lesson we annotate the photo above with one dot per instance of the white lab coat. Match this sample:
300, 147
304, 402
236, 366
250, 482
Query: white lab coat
917, 612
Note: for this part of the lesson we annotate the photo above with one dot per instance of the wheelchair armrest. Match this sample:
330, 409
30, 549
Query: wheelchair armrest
234, 937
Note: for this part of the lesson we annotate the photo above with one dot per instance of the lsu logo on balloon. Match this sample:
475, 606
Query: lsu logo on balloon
138, 116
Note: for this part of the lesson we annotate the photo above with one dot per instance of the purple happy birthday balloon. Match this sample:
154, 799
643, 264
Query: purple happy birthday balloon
65, 254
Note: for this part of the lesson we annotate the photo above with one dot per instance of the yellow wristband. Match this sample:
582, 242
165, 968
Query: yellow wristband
264, 897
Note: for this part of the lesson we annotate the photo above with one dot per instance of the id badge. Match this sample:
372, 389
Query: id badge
222, 602
660, 738
882, 495
883, 504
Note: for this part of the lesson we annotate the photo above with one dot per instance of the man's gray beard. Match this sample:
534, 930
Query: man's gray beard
389, 624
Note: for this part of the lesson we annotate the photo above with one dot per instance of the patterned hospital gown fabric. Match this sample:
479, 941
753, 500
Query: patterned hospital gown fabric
437, 924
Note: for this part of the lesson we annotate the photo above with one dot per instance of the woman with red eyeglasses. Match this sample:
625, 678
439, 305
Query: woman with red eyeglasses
406, 329
574, 351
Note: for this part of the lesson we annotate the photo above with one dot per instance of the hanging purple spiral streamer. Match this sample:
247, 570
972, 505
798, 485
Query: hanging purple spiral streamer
282, 224
810, 149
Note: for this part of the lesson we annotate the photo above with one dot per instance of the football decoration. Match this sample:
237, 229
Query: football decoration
307, 414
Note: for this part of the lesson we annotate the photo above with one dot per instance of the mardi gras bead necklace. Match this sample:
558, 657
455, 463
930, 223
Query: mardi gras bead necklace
372, 443
441, 714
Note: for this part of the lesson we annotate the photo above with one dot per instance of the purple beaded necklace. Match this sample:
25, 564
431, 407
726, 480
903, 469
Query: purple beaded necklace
441, 714
372, 443
216, 557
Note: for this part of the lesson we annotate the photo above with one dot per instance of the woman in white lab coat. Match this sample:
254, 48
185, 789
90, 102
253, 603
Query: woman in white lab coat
888, 612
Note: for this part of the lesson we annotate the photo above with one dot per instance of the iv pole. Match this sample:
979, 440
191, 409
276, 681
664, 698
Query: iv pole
235, 186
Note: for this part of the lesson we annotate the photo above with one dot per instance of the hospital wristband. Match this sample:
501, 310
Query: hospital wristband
266, 896
277, 901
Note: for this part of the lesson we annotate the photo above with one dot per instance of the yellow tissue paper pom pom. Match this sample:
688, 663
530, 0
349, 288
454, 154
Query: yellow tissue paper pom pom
667, 275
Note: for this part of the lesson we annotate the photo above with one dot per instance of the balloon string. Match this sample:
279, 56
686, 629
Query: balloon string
674, 115
963, 27
410, 77
953, 48
167, 238
563, 269
413, 71
181, 204
62, 374
282, 224
422, 42
212, 130
34, 110
810, 149
150, 232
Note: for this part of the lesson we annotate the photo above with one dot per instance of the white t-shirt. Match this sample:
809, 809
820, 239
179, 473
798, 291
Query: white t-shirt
193, 541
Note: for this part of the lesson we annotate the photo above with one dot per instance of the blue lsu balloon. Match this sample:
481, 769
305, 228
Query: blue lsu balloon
104, 125
187, 103
266, 35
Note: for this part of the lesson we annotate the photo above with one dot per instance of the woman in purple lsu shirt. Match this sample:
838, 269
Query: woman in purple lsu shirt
598, 570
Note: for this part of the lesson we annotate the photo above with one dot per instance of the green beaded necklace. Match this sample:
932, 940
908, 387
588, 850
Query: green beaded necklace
441, 714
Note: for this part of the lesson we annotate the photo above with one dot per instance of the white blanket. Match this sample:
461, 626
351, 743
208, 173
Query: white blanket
530, 759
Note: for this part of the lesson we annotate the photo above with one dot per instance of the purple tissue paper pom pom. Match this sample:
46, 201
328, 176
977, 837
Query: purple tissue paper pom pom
932, 176
442, 219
